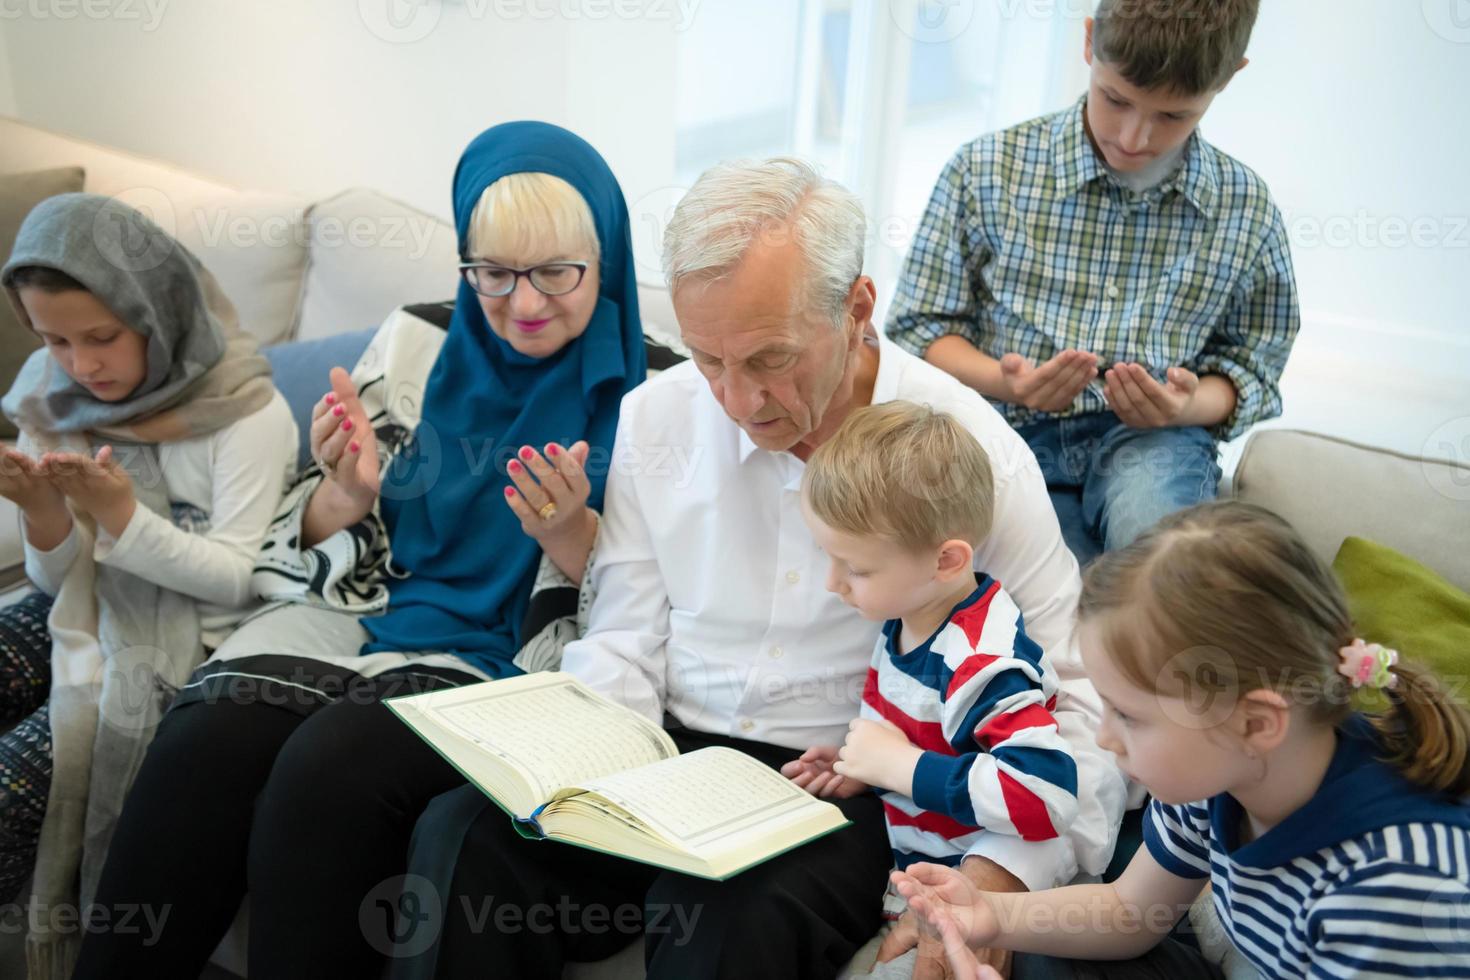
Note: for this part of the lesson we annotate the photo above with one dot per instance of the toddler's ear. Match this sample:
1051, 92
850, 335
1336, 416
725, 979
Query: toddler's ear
956, 559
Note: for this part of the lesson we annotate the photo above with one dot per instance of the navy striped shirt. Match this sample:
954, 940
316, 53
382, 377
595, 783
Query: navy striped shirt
1370, 879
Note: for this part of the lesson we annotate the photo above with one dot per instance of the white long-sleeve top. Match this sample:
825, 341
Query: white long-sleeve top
235, 478
710, 599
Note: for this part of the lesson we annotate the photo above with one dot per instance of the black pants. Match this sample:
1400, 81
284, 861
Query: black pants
310, 811
521, 908
1169, 960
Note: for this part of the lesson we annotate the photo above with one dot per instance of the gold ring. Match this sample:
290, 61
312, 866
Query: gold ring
547, 512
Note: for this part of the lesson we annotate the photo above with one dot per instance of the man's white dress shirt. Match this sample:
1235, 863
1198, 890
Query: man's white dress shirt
710, 600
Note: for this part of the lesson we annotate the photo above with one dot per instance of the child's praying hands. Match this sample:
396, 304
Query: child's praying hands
23, 483
877, 753
96, 485
949, 908
813, 772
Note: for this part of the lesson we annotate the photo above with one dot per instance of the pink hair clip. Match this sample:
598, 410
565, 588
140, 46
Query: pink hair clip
1367, 664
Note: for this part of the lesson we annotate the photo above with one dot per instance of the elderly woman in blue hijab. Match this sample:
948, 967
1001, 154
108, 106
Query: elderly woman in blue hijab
278, 772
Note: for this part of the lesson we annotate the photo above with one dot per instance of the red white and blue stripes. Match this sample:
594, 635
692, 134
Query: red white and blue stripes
977, 698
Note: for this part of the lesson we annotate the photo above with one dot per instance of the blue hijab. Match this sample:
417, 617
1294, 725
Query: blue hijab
469, 566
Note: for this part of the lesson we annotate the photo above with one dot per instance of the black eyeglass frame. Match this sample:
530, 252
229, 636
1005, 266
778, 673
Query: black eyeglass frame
467, 272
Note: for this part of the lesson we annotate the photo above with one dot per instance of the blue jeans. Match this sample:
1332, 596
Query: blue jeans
1109, 483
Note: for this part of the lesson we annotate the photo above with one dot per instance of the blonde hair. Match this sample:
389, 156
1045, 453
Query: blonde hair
532, 217
1229, 595
905, 472
1187, 46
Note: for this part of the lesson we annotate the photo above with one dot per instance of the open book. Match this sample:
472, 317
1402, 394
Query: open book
570, 765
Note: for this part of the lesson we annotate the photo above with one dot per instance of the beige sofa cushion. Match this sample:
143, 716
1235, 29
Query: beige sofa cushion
370, 255
1329, 489
19, 193
223, 225
254, 243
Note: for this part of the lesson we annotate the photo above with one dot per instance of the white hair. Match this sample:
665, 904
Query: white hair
733, 203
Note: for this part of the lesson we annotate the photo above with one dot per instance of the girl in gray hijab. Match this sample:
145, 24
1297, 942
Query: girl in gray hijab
153, 452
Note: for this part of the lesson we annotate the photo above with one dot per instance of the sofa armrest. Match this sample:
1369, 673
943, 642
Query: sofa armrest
12, 554
1329, 489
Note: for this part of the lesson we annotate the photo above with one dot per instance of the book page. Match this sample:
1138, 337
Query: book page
711, 799
551, 728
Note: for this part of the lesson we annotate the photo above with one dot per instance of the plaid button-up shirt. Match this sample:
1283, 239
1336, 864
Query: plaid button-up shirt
1030, 245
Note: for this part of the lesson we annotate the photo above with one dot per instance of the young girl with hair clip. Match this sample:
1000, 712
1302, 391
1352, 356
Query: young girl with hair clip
1337, 841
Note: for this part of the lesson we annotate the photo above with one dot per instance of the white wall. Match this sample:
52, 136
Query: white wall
7, 90
310, 97
1353, 111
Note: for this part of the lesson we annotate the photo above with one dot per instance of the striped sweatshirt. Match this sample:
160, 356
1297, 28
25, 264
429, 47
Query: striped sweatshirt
977, 697
1370, 879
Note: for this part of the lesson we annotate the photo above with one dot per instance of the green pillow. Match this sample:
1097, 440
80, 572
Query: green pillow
1402, 604
18, 194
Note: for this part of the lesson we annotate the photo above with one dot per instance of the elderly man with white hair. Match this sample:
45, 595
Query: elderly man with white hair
710, 613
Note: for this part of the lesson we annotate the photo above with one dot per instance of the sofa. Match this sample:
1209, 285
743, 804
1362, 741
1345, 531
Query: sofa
309, 277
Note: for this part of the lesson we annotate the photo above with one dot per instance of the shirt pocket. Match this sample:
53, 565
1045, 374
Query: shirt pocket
1180, 308
1035, 292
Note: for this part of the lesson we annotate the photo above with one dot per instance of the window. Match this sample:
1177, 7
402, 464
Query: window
879, 93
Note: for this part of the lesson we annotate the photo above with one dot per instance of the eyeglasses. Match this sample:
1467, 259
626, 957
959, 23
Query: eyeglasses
551, 279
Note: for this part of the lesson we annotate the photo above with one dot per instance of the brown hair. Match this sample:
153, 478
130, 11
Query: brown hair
1247, 605
904, 472
42, 277
1187, 46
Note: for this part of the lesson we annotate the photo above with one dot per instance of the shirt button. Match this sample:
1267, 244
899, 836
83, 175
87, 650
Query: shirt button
746, 724
793, 576
777, 653
1112, 291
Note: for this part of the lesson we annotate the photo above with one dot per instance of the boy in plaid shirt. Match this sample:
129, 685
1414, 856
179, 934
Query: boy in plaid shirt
1120, 287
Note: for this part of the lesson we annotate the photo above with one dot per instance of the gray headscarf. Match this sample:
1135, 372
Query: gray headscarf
120, 643
155, 286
